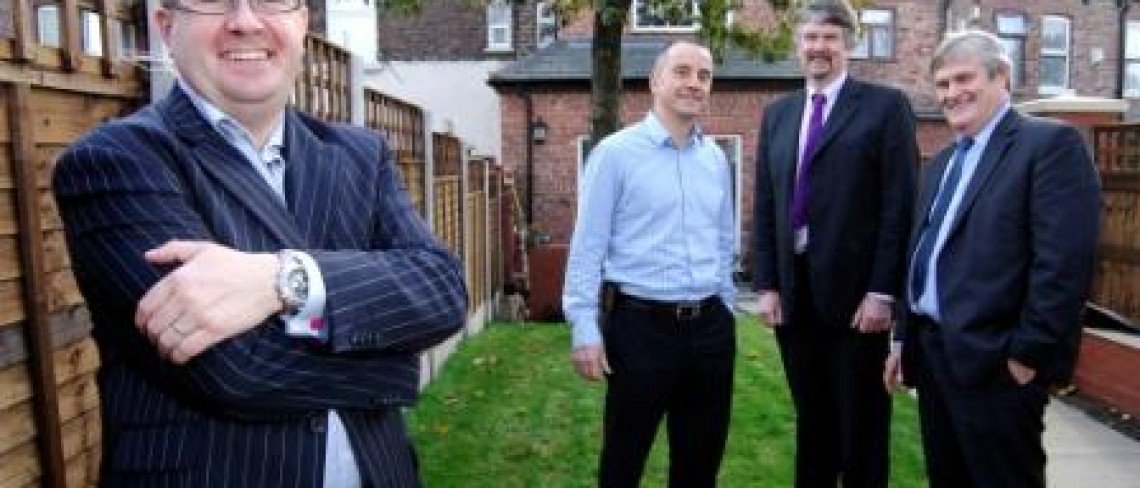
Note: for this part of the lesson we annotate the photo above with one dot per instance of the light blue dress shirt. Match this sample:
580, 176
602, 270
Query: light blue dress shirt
340, 463
927, 304
654, 218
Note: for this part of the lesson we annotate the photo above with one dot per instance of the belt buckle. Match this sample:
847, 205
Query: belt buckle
688, 310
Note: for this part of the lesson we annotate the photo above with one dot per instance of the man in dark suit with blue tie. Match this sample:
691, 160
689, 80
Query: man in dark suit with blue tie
1002, 256
834, 193
259, 284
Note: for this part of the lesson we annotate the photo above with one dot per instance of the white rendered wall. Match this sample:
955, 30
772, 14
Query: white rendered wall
455, 92
352, 24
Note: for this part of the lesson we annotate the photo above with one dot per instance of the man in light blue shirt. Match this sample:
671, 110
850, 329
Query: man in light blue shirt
655, 226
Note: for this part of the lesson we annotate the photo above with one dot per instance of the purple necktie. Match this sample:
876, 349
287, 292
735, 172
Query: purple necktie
803, 183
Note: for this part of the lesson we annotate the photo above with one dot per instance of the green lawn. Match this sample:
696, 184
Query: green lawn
508, 412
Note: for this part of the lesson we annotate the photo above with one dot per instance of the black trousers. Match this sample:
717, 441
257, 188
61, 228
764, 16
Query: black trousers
978, 436
842, 409
677, 368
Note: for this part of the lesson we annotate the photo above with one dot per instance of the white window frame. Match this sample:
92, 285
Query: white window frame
635, 20
864, 47
1013, 28
735, 141
545, 18
1132, 59
500, 19
1064, 54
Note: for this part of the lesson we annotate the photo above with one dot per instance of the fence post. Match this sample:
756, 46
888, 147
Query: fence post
429, 173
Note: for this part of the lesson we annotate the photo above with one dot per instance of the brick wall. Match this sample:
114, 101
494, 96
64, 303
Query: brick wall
1106, 368
735, 110
1095, 26
450, 30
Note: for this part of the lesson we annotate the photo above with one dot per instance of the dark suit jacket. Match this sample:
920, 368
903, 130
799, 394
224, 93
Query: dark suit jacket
1019, 255
250, 412
862, 180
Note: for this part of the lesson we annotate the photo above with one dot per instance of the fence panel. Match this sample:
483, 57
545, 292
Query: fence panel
56, 82
402, 125
324, 88
1117, 283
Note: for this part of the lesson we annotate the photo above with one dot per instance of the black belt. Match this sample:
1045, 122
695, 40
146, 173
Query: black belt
684, 310
924, 323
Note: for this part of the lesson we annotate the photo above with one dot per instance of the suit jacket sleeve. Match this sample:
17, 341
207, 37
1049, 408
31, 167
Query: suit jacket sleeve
1064, 207
122, 192
406, 293
764, 238
898, 167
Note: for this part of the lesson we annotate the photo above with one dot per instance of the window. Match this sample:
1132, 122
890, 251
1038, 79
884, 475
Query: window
877, 35
499, 25
546, 28
1054, 69
671, 16
1011, 30
1132, 61
47, 25
733, 149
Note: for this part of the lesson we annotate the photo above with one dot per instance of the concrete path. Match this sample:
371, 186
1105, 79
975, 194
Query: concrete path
1083, 453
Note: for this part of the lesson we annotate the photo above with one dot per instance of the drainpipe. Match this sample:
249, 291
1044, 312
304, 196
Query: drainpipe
528, 111
1121, 44
943, 22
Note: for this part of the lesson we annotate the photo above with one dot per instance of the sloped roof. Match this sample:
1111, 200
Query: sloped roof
565, 61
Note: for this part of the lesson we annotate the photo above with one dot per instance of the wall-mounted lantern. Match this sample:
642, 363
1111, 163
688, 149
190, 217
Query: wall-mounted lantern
539, 131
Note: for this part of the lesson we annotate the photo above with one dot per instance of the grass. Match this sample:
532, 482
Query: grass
509, 412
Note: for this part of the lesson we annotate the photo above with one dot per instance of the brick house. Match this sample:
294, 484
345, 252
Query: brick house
1060, 46
442, 57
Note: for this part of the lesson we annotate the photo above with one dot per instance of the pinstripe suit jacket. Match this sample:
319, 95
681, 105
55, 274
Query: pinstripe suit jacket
250, 412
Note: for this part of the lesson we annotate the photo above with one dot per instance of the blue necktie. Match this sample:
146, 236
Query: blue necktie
934, 219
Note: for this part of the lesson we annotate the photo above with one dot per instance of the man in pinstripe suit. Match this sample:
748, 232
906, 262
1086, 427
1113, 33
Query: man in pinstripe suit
259, 284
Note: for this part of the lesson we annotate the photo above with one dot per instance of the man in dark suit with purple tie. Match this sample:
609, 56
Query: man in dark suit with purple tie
834, 191
1001, 259
259, 284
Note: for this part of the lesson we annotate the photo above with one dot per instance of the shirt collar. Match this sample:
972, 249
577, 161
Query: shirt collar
983, 136
660, 135
831, 90
227, 126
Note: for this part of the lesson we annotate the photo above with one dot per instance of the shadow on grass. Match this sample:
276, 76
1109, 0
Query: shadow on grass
508, 412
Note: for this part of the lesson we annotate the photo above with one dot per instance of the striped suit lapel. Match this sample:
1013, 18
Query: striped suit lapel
228, 167
314, 179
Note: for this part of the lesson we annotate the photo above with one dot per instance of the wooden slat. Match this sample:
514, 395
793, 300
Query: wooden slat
19, 466
25, 41
70, 35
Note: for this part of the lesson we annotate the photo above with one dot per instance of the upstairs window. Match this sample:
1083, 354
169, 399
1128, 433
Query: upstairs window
1011, 30
877, 36
499, 26
1132, 61
546, 24
668, 16
1055, 45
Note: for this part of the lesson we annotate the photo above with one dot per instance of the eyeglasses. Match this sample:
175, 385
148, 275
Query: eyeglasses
223, 7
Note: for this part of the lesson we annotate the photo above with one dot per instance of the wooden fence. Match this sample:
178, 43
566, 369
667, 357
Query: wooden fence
52, 90
57, 80
1117, 284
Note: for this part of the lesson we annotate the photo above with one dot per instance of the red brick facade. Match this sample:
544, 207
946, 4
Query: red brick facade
736, 109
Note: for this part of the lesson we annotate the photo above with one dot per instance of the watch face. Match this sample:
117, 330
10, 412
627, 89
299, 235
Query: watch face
298, 282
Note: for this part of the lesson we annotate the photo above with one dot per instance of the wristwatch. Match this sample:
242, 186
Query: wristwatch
292, 280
